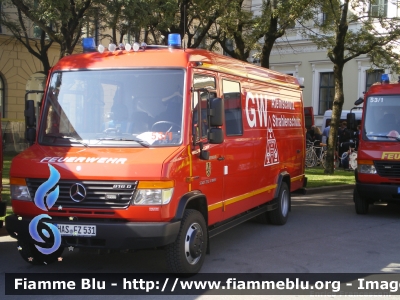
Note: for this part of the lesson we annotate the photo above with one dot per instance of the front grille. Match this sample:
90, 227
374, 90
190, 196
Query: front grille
99, 194
387, 168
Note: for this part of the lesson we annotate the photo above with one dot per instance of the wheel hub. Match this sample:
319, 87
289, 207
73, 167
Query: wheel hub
194, 243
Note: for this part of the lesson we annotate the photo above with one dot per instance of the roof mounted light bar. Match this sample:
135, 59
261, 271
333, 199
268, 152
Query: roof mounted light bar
88, 44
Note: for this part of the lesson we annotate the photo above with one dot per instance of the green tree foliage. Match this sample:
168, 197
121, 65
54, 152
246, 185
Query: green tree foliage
347, 30
192, 19
277, 17
60, 20
14, 20
235, 31
123, 17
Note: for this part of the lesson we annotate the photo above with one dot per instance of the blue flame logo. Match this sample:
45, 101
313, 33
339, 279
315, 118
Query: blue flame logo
51, 198
45, 187
33, 225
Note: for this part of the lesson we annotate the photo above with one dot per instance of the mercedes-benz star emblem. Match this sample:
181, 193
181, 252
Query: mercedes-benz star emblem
77, 192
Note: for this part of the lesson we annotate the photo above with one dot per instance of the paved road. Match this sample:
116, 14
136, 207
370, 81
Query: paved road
323, 235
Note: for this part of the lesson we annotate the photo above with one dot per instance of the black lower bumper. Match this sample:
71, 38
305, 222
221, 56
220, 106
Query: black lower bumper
376, 192
109, 235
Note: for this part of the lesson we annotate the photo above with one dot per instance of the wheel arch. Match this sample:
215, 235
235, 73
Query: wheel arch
283, 177
192, 200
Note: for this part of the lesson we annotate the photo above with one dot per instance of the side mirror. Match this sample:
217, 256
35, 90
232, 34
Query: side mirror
216, 136
359, 101
30, 113
351, 121
30, 135
216, 112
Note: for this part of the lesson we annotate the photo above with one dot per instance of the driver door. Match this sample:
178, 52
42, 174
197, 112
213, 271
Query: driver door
208, 173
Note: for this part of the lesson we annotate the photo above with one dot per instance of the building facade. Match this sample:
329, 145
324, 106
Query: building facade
295, 55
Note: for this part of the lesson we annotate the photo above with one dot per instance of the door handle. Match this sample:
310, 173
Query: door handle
298, 150
221, 158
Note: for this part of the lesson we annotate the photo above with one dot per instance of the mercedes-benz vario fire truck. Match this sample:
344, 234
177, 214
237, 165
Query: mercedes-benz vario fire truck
151, 146
378, 154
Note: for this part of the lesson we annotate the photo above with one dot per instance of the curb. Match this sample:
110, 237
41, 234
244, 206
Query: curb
325, 189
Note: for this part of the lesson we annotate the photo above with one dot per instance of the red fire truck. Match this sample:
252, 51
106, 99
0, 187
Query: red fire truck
151, 146
378, 155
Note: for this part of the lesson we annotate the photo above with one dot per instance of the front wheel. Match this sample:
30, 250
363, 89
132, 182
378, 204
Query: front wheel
361, 204
187, 253
280, 215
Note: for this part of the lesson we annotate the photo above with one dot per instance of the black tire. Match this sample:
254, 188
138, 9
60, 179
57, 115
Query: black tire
33, 256
187, 253
280, 215
361, 204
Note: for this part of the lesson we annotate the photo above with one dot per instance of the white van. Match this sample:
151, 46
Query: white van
343, 117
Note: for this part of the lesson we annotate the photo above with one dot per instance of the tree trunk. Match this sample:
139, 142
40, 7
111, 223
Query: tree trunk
337, 57
336, 112
269, 39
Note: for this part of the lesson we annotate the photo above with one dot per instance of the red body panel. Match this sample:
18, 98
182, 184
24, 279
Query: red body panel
242, 172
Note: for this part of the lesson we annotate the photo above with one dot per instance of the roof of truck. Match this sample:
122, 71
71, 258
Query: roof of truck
162, 57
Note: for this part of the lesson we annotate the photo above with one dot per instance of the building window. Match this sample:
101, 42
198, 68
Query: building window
372, 77
2, 97
378, 8
326, 92
324, 18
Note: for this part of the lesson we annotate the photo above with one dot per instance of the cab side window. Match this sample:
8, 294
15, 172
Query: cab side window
200, 100
233, 108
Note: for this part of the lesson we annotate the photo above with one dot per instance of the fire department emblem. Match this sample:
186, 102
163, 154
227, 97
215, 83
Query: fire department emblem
208, 169
271, 154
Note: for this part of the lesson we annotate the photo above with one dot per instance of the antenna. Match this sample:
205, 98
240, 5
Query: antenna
184, 27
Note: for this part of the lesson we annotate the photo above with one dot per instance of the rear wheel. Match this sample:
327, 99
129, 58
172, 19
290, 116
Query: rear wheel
32, 255
361, 204
187, 253
280, 215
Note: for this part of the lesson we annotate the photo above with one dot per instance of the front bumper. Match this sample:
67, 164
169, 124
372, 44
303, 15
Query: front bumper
109, 235
375, 192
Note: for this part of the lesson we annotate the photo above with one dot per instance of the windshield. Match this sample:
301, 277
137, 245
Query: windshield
121, 108
382, 118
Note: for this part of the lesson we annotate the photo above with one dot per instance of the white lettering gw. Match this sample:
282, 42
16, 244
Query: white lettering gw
73, 159
251, 115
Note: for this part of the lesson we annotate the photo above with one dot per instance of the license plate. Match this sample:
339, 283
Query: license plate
77, 230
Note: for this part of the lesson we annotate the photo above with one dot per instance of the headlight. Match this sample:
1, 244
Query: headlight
152, 196
366, 169
20, 192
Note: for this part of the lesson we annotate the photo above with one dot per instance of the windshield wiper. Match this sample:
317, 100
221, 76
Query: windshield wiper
65, 137
132, 139
384, 136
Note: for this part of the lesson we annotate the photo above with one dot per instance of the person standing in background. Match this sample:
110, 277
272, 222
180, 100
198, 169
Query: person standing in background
325, 133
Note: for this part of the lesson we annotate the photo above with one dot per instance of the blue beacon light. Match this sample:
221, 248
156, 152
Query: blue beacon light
385, 78
88, 45
174, 40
